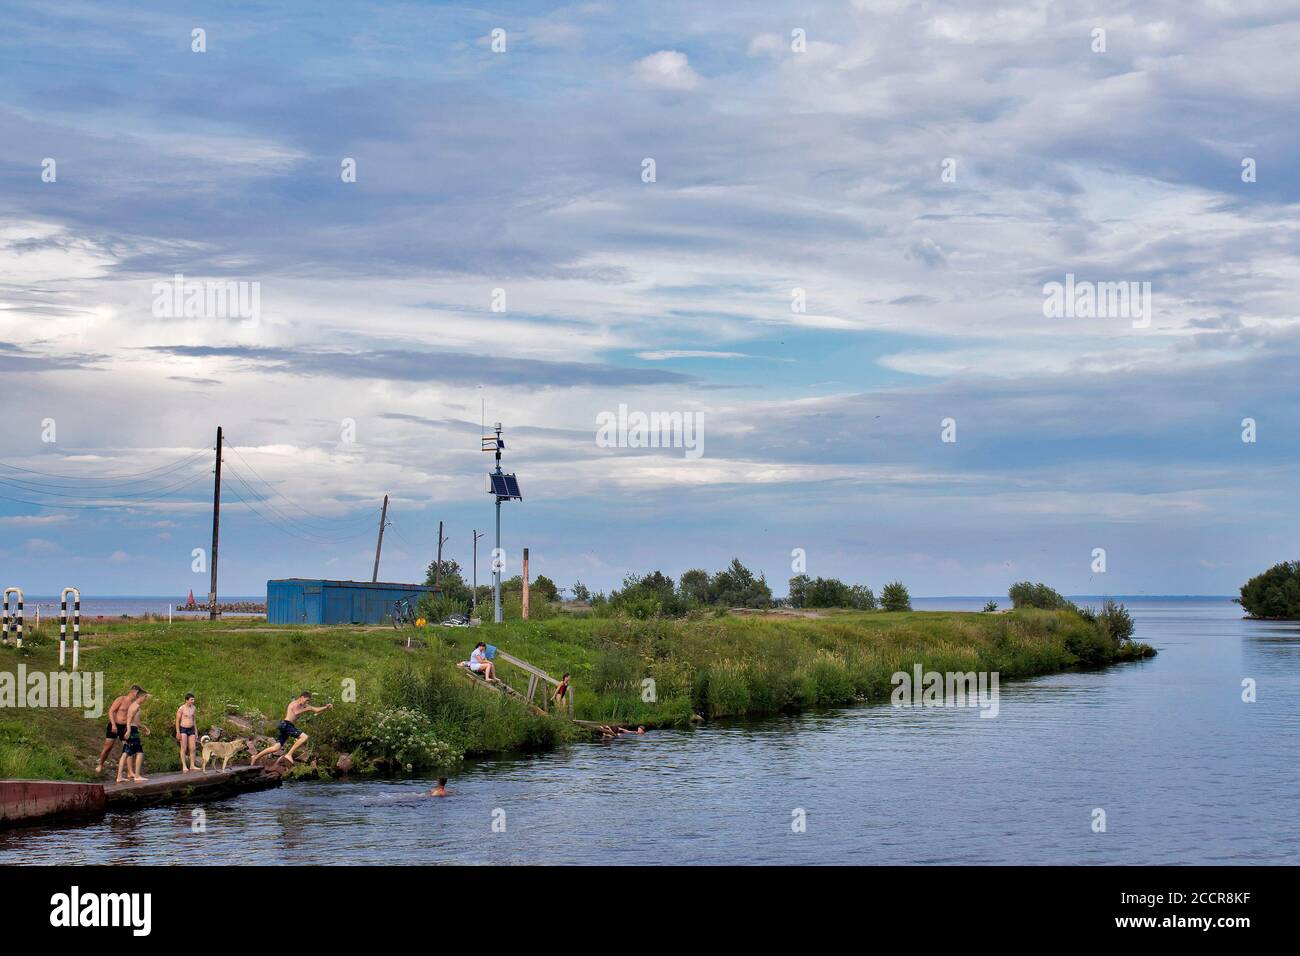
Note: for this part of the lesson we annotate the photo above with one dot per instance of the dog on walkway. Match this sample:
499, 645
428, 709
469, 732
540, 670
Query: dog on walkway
225, 750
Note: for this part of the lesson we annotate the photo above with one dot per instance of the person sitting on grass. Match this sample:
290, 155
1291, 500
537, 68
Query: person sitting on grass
480, 664
297, 707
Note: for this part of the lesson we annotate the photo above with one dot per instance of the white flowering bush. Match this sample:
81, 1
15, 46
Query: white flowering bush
405, 737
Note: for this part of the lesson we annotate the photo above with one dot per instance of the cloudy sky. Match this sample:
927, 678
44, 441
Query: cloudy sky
853, 212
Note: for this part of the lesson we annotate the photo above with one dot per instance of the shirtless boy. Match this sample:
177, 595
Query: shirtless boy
132, 746
116, 728
297, 707
186, 733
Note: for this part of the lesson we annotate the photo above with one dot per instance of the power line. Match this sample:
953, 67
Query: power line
100, 479
93, 495
106, 502
285, 523
367, 516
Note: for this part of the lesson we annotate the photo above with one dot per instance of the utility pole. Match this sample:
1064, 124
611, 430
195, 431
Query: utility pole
216, 528
437, 568
473, 600
383, 518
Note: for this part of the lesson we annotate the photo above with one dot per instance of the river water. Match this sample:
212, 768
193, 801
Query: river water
1185, 771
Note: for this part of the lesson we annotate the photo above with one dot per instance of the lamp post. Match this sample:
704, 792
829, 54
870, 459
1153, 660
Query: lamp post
473, 595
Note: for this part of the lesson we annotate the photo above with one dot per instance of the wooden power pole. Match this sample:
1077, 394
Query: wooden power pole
379, 546
216, 529
437, 568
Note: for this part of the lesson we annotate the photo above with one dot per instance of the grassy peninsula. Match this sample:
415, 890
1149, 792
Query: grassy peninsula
397, 707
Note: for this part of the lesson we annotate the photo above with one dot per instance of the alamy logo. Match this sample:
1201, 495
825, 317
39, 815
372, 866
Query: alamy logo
626, 429
209, 299
103, 909
74, 690
953, 689
1098, 300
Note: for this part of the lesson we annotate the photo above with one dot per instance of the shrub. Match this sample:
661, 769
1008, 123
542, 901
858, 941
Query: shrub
863, 598
1116, 621
894, 597
1273, 594
1025, 594
402, 737
990, 607
436, 610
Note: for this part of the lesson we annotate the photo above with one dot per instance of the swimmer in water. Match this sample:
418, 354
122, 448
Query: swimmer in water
441, 789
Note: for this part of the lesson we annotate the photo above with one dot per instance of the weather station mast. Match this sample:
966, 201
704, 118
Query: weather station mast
503, 487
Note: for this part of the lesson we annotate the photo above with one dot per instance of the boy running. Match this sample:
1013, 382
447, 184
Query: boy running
297, 707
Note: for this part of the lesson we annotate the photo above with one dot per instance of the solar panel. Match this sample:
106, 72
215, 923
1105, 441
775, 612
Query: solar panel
504, 486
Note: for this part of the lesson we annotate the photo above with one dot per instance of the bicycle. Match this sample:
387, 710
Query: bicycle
403, 614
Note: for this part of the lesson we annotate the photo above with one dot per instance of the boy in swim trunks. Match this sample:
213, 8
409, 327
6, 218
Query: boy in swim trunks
186, 733
297, 707
133, 746
116, 727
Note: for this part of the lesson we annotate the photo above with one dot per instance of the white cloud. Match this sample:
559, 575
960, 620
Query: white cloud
667, 69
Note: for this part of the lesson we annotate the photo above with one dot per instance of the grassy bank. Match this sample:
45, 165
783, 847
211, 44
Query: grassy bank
411, 707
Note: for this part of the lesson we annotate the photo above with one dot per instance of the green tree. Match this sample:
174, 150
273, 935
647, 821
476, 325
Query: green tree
736, 586
545, 587
1025, 594
864, 599
694, 587
894, 597
799, 590
1273, 594
451, 580
581, 592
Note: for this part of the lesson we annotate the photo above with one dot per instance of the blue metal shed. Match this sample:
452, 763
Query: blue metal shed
313, 601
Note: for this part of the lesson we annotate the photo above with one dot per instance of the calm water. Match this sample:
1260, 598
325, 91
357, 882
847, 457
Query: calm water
92, 606
1185, 771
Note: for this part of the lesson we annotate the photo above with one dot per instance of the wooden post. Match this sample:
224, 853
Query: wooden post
437, 568
379, 546
525, 591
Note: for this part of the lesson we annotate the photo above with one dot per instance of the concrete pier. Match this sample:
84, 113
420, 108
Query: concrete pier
47, 801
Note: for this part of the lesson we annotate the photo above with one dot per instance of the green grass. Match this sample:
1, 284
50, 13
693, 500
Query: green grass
725, 666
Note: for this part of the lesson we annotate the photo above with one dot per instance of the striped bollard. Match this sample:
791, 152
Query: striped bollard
76, 625
4, 634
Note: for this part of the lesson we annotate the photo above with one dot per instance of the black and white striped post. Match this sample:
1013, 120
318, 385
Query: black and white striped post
4, 634
63, 625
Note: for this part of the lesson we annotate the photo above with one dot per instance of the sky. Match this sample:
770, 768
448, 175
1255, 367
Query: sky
821, 232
